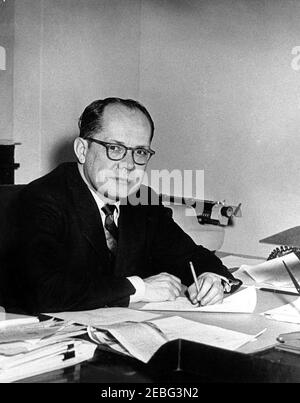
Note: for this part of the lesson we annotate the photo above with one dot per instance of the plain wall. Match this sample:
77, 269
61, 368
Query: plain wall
216, 76
68, 53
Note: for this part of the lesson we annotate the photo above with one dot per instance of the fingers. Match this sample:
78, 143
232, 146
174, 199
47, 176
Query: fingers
183, 291
171, 277
162, 287
211, 291
218, 299
169, 281
171, 293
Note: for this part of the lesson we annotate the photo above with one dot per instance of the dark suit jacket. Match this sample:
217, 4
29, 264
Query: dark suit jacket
65, 260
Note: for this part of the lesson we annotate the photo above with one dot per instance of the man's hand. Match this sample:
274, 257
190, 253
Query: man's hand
162, 287
211, 290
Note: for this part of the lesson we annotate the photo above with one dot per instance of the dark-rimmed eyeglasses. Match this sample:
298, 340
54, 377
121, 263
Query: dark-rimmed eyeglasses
117, 152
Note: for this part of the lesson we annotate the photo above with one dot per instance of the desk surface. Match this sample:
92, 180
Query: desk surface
111, 367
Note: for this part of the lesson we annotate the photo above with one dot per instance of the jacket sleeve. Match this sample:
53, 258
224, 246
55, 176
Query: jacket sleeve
172, 250
53, 283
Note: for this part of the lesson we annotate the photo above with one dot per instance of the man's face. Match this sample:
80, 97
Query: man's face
117, 179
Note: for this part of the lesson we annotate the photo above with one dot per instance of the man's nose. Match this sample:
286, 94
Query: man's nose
127, 162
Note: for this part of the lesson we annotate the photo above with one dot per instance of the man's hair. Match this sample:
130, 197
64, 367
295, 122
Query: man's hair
91, 120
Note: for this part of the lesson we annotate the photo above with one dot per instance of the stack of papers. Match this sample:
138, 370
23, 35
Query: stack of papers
29, 347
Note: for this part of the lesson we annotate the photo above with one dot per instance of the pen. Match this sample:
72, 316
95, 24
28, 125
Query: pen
295, 282
278, 291
195, 277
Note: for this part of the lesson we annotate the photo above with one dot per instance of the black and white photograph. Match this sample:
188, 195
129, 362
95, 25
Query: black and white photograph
149, 194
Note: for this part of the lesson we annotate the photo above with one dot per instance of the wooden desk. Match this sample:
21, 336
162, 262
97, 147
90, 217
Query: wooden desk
109, 367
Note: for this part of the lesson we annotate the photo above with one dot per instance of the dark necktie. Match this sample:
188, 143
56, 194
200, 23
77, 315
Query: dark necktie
110, 228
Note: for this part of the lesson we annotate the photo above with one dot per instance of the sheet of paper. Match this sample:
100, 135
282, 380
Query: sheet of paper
248, 281
25, 320
34, 332
243, 301
236, 261
285, 313
40, 352
273, 272
139, 339
104, 316
142, 340
176, 327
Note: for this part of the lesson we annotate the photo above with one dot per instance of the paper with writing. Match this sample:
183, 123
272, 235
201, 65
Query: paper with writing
141, 340
273, 273
243, 301
176, 327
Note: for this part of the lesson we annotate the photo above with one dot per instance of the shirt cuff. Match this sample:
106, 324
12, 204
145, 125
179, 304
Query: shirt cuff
139, 286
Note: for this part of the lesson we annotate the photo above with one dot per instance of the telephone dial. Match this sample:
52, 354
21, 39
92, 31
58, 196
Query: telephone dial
282, 251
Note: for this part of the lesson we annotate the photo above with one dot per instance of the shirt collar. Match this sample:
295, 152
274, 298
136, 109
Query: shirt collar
101, 201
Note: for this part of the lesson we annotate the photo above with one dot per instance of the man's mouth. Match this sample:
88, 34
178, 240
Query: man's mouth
122, 180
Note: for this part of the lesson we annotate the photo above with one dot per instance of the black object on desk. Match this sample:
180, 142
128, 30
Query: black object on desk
201, 363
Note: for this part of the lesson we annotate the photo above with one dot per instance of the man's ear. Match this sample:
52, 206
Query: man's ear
80, 149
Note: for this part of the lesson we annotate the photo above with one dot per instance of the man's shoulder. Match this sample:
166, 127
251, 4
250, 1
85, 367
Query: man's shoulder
53, 184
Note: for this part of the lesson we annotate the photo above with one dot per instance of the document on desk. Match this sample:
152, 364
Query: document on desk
34, 347
243, 301
272, 273
22, 338
286, 313
104, 316
142, 340
49, 358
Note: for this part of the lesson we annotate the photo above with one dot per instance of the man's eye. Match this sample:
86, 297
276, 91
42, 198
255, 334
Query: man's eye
115, 148
141, 151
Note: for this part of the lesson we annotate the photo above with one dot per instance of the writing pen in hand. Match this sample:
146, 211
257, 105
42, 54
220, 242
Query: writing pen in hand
195, 279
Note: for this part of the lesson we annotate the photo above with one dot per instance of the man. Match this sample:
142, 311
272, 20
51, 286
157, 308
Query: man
85, 246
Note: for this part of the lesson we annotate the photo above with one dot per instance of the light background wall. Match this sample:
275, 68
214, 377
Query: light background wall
67, 54
216, 76
6, 76
219, 79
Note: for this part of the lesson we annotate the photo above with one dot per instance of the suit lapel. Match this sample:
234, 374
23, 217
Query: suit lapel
88, 214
